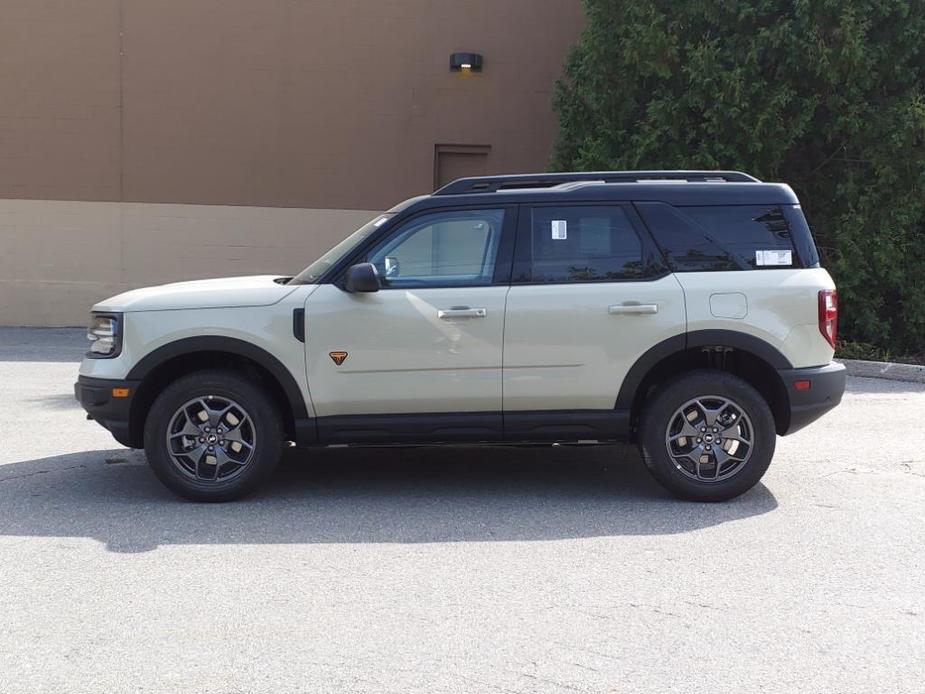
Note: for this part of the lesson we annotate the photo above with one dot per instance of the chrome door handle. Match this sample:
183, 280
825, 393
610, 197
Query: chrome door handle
632, 309
462, 312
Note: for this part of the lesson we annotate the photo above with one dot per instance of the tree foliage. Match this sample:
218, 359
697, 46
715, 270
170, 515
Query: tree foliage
827, 95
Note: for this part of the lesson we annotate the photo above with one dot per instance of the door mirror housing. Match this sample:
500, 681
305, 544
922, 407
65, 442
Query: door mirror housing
362, 278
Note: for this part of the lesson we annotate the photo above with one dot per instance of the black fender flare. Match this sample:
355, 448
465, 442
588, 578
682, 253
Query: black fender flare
229, 345
697, 338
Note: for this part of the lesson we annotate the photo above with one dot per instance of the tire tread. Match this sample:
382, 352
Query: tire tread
663, 404
246, 391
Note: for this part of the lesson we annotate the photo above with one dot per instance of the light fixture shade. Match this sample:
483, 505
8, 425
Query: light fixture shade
470, 62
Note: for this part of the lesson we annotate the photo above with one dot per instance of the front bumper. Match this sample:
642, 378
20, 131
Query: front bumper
826, 387
114, 413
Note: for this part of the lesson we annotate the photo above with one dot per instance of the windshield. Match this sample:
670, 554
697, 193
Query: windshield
316, 270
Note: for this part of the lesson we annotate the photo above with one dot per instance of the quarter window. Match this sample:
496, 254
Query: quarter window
724, 237
747, 232
441, 249
584, 244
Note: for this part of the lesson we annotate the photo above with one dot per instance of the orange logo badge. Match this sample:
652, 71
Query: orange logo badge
338, 357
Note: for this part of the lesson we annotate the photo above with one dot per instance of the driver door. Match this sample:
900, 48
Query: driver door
420, 359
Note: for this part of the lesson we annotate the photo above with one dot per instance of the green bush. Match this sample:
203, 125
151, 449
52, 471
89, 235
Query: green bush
862, 350
826, 95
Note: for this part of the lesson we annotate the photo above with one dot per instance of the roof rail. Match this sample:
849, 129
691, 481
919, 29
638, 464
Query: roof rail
492, 184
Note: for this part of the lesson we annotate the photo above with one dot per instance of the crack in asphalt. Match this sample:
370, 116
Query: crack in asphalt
41, 472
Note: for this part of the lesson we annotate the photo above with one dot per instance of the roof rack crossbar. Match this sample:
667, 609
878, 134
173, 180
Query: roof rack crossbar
492, 184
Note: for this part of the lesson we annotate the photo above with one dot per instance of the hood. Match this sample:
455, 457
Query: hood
260, 290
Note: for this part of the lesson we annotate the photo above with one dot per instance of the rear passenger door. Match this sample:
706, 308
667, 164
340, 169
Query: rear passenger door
589, 295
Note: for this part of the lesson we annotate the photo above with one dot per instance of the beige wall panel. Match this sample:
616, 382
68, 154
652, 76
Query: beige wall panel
59, 258
46, 303
174, 242
60, 241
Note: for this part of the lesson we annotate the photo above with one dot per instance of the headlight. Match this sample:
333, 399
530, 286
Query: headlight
105, 335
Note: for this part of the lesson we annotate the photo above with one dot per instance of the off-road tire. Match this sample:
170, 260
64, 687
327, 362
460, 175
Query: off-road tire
267, 428
663, 407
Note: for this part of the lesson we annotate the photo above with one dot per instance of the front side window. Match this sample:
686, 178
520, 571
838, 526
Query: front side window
441, 249
584, 244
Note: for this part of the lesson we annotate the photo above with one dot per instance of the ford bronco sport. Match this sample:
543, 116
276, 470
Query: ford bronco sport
684, 310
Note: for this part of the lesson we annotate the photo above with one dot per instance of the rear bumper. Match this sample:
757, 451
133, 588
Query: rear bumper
826, 387
96, 396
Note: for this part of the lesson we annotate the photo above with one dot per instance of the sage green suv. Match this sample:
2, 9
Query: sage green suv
684, 310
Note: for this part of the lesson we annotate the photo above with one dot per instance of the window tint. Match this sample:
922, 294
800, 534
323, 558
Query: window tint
722, 237
687, 246
802, 236
441, 249
746, 231
584, 244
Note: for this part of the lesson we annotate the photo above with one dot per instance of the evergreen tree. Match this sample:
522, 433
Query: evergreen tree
827, 95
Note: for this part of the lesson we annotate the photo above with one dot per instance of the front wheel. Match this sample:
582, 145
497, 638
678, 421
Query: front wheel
213, 436
707, 436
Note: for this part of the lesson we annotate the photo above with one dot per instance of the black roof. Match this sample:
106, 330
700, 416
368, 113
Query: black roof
673, 187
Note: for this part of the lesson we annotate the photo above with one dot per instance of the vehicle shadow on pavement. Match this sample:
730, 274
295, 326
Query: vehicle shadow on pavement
387, 495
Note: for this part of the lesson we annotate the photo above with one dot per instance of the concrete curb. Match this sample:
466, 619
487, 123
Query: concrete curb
883, 369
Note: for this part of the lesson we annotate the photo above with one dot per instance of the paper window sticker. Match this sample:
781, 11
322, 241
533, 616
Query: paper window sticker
777, 257
559, 230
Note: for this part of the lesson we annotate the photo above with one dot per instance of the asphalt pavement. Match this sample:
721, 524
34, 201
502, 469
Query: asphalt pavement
456, 570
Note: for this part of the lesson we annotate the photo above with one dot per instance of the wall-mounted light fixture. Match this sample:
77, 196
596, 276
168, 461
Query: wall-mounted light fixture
466, 62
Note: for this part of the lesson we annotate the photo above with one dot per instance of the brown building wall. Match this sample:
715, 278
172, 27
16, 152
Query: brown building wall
59, 99
312, 104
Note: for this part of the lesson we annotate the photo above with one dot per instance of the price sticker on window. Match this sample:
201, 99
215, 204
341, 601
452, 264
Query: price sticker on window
559, 230
774, 258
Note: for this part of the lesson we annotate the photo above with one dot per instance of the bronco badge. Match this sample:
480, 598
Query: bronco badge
338, 357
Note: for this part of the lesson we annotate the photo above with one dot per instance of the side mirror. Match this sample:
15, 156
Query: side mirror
362, 278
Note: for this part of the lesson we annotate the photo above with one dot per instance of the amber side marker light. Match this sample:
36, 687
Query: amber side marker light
803, 385
120, 392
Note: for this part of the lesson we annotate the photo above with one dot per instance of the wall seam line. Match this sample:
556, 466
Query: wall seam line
122, 142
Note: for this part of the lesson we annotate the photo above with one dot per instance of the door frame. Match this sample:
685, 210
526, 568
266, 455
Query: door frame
522, 270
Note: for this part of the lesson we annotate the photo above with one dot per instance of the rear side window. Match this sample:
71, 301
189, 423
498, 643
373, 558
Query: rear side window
730, 237
583, 244
802, 236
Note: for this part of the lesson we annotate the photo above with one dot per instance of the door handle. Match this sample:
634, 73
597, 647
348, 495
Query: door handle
462, 312
632, 309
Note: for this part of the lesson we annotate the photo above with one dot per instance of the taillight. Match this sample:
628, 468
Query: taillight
828, 315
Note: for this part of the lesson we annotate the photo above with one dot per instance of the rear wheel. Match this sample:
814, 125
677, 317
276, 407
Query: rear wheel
213, 436
707, 436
